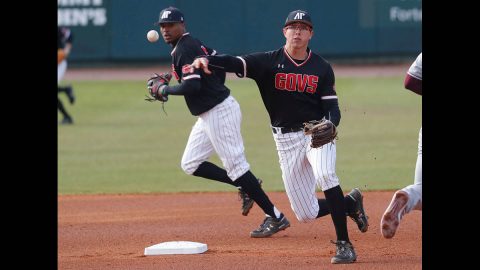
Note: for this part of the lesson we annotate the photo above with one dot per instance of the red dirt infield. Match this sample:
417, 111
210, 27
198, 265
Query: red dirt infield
112, 231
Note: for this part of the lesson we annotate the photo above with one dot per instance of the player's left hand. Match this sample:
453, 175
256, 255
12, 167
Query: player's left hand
202, 63
156, 86
323, 132
61, 55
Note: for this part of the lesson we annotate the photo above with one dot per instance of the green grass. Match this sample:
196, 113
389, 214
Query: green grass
123, 144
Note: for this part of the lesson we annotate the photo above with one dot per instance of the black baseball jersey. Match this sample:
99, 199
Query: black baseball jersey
64, 36
292, 90
212, 91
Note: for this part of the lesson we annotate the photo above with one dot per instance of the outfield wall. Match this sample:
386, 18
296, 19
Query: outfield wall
115, 30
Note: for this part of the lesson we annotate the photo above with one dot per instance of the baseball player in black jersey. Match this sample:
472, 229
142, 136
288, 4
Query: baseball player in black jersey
218, 126
64, 42
296, 86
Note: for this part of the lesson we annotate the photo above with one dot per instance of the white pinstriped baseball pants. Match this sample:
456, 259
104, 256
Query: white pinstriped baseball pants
415, 191
217, 130
61, 68
303, 168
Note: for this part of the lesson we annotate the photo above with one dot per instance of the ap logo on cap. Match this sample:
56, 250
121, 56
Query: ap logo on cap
299, 16
165, 14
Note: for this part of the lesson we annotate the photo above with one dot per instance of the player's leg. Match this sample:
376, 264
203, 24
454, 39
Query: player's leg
353, 209
68, 90
197, 151
67, 119
61, 68
415, 191
297, 175
404, 200
223, 128
323, 162
416, 198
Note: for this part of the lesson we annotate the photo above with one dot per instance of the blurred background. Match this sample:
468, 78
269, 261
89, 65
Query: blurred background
114, 31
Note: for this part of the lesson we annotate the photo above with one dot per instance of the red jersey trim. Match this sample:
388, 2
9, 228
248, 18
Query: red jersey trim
293, 61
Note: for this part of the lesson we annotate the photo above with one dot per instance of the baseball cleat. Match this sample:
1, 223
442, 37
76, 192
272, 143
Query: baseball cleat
247, 202
67, 121
270, 226
394, 213
358, 215
344, 254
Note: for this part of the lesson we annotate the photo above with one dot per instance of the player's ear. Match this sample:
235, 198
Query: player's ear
284, 30
311, 34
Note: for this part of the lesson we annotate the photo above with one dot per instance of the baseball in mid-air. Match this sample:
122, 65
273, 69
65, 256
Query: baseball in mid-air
152, 36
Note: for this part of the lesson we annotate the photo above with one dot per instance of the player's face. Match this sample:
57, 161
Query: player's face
171, 32
298, 35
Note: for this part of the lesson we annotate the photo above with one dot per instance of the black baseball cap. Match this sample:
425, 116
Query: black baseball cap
170, 15
299, 16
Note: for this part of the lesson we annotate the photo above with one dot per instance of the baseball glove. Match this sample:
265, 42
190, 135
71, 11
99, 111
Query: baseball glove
155, 87
323, 132
60, 55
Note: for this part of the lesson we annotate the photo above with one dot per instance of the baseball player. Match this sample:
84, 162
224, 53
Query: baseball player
218, 126
408, 198
64, 41
298, 85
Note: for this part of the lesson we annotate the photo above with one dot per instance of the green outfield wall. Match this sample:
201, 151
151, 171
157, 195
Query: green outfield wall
115, 30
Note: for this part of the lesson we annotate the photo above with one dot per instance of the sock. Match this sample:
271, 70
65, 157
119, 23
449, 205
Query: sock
213, 172
336, 204
250, 185
62, 109
62, 89
278, 214
323, 206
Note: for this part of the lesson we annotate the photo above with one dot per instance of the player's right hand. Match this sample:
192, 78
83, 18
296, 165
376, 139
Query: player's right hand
202, 63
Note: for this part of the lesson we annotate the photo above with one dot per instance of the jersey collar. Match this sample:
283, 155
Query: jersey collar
293, 61
173, 51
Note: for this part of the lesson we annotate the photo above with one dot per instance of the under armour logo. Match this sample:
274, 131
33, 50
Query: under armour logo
280, 65
166, 13
299, 16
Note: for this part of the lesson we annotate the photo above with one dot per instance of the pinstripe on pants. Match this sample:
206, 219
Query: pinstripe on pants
217, 130
303, 168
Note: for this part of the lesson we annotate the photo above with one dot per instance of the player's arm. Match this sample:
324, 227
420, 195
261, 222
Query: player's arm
413, 84
329, 98
67, 49
413, 79
191, 80
251, 65
69, 42
220, 73
222, 62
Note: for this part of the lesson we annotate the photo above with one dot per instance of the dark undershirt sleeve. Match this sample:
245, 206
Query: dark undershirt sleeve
332, 111
226, 63
186, 87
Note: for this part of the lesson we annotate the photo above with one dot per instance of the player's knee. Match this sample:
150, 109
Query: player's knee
305, 218
189, 167
329, 180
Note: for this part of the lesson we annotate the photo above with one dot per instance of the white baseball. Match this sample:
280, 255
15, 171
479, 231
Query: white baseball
152, 36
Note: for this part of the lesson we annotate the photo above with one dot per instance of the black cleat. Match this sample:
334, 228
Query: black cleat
270, 226
345, 253
67, 121
358, 215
